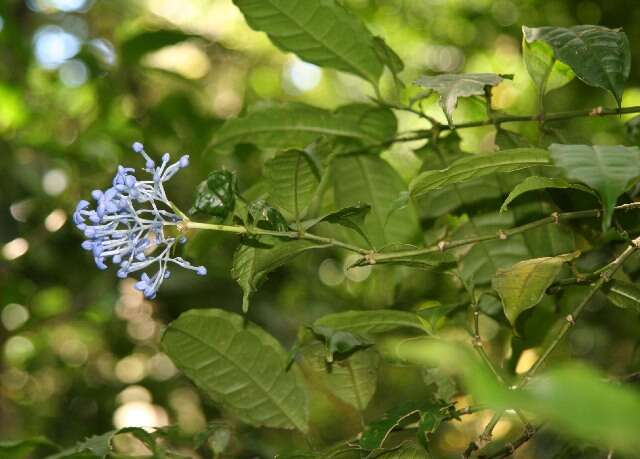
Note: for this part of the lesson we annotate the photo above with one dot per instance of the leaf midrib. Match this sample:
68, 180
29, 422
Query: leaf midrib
267, 394
340, 57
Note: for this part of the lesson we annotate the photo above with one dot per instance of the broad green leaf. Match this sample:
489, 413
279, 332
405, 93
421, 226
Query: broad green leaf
216, 196
251, 265
369, 179
292, 178
296, 125
371, 322
506, 139
540, 183
322, 32
407, 450
452, 86
524, 284
262, 215
20, 449
608, 169
546, 71
623, 294
599, 56
475, 166
240, 366
135, 47
352, 380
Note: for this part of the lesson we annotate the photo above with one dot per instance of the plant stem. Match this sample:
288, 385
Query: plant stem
510, 448
387, 257
558, 116
570, 320
238, 229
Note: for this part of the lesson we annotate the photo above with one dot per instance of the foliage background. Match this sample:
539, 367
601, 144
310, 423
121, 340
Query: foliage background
81, 80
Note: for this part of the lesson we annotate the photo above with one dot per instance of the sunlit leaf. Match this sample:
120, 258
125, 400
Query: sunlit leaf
322, 32
340, 341
475, 166
540, 183
608, 169
296, 125
599, 56
524, 284
546, 71
452, 86
240, 366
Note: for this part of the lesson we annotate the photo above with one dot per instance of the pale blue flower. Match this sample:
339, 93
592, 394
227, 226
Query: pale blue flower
129, 223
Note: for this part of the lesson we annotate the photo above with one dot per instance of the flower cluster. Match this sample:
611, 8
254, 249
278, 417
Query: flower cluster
129, 222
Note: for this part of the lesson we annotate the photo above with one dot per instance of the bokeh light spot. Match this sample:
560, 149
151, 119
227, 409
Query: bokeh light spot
304, 76
18, 349
15, 249
55, 220
14, 316
54, 182
359, 274
140, 414
52, 46
330, 273
73, 73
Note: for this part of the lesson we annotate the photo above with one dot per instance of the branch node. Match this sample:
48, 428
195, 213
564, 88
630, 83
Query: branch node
636, 242
502, 235
182, 227
570, 319
477, 341
596, 111
556, 217
442, 245
370, 258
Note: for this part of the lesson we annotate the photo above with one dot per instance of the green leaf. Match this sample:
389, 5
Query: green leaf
540, 183
318, 31
407, 450
251, 265
296, 125
20, 449
292, 178
608, 169
387, 55
352, 380
452, 86
475, 166
523, 285
369, 179
623, 294
262, 215
546, 71
340, 341
599, 56
351, 217
371, 322
240, 366
135, 47
216, 196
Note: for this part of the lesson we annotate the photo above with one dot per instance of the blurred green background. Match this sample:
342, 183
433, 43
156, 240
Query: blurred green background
80, 80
